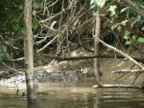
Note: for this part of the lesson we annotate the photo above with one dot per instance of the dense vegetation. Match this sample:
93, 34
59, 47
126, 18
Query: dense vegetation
59, 24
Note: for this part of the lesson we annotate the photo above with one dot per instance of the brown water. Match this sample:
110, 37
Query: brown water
77, 95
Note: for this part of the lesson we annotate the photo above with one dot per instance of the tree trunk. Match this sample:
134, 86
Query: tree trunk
100, 5
28, 51
96, 47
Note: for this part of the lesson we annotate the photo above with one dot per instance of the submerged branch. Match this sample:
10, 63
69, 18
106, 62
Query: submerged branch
117, 86
129, 71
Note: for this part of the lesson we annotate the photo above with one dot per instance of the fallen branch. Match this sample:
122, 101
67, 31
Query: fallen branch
117, 86
120, 52
90, 57
129, 71
47, 44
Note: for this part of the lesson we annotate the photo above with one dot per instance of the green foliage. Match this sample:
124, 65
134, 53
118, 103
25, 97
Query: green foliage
12, 24
4, 55
140, 40
129, 19
20, 7
132, 39
18, 30
119, 17
119, 25
136, 20
11, 20
127, 37
125, 10
112, 9
37, 3
94, 5
10, 42
35, 24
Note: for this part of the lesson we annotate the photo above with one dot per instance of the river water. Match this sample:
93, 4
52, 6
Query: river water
76, 95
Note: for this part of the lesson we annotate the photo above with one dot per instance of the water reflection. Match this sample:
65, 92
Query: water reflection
66, 101
78, 96
12, 102
90, 100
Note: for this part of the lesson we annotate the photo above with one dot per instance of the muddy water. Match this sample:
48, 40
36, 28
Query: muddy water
76, 95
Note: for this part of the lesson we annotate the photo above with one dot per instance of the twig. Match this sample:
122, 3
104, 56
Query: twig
47, 44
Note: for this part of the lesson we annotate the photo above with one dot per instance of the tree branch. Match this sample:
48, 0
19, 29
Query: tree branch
134, 7
120, 52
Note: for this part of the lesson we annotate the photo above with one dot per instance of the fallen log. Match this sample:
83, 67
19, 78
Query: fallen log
83, 57
129, 71
91, 57
117, 86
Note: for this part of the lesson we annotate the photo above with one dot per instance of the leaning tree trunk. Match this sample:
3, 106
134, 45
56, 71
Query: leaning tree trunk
28, 51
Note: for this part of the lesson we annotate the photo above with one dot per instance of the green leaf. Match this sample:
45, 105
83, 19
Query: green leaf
34, 24
124, 9
138, 18
1, 50
112, 9
37, 4
142, 28
108, 5
18, 30
93, 2
34, 12
17, 20
93, 7
114, 26
20, 7
141, 40
126, 37
22, 30
124, 22
4, 49
9, 57
127, 33
142, 5
128, 42
10, 42
119, 28
134, 38
1, 56
119, 1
